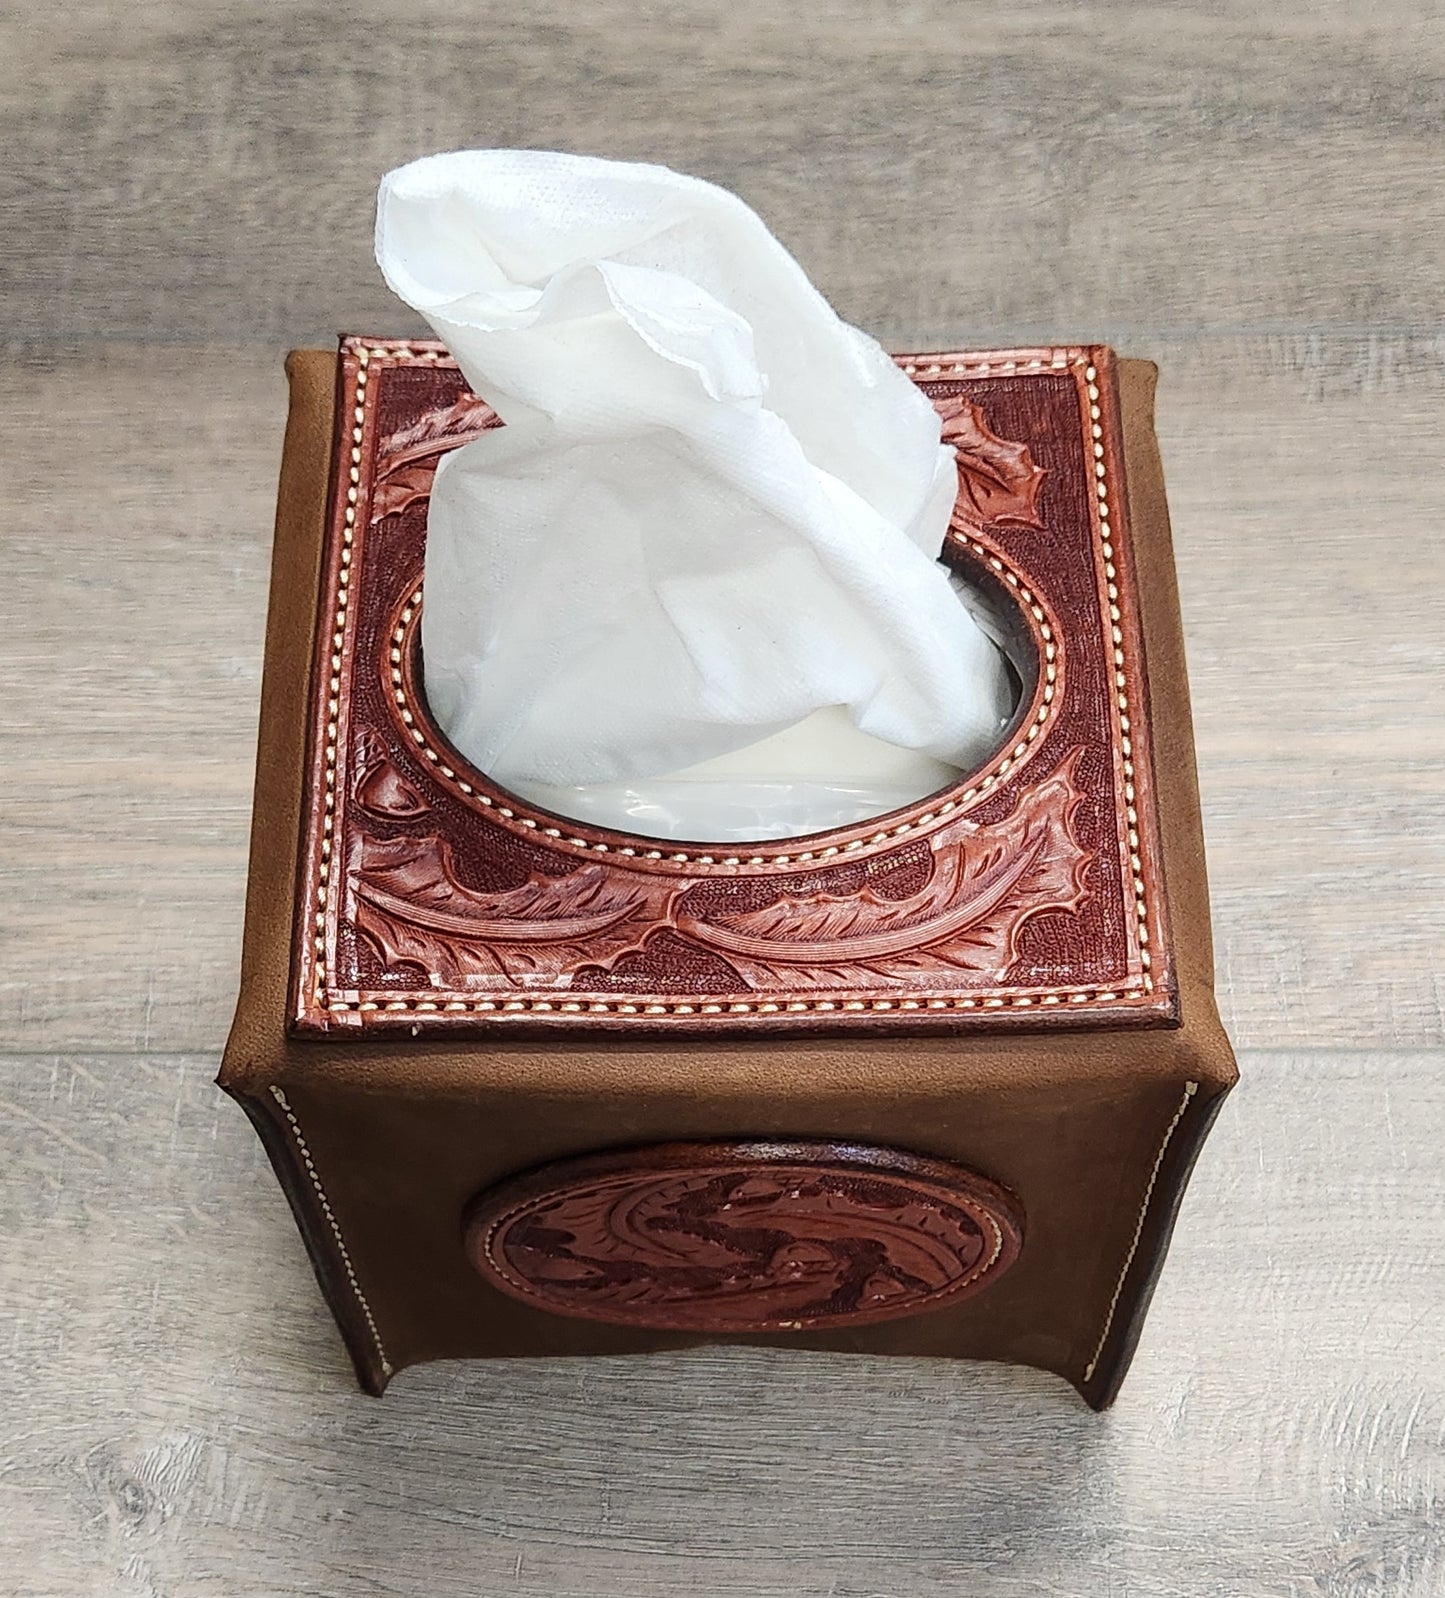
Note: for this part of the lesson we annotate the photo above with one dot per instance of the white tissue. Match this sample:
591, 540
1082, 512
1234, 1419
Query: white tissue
713, 514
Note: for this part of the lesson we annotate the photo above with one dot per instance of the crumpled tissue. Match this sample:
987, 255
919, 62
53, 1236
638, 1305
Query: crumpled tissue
691, 587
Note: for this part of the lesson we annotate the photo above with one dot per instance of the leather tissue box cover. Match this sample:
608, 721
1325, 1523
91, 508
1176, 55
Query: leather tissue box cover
1029, 947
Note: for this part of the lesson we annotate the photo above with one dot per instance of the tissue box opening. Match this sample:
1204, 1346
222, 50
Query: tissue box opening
739, 798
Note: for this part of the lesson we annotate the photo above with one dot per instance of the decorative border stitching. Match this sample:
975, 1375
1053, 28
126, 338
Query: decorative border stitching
404, 353
338, 643
569, 1007
1190, 1089
1126, 743
305, 1152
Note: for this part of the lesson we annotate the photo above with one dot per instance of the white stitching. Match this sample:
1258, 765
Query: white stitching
1124, 993
1106, 549
338, 641
341, 1248
1190, 1089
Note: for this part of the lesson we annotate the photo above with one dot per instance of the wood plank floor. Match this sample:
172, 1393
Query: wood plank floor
1251, 196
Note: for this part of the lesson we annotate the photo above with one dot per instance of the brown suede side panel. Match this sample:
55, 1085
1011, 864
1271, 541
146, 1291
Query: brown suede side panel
400, 1174
254, 1048
1170, 719
1186, 877
1172, 729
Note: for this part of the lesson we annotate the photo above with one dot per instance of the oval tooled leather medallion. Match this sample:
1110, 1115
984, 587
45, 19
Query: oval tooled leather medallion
744, 1237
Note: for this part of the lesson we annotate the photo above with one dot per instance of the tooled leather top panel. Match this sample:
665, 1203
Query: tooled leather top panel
435, 903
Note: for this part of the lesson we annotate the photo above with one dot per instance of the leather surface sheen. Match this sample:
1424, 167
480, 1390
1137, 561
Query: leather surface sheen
443, 990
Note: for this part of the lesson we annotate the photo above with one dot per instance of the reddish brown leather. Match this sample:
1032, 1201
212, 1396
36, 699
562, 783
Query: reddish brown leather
436, 903
744, 1237
381, 1138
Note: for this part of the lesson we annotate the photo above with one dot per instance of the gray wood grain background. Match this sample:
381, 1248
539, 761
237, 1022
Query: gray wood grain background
1250, 195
